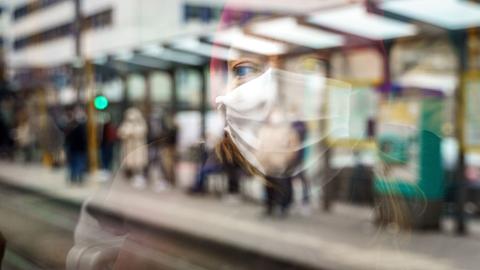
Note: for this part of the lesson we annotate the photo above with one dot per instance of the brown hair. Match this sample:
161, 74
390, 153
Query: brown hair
228, 153
390, 209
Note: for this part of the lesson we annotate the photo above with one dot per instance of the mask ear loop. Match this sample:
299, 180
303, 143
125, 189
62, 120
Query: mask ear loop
272, 89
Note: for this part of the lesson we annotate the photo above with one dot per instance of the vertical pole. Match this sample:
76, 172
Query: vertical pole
173, 113
43, 111
327, 197
173, 92
148, 96
203, 103
77, 32
78, 28
385, 52
91, 119
147, 105
125, 99
459, 40
203, 115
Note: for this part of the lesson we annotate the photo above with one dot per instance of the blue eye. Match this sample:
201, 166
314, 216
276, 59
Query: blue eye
243, 71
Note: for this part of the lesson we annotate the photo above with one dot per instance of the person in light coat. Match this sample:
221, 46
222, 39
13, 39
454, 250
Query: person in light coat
133, 134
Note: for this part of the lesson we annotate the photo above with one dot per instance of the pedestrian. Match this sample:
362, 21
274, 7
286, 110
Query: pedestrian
6, 140
133, 135
212, 165
156, 170
49, 137
169, 147
76, 145
360, 183
108, 140
24, 138
3, 245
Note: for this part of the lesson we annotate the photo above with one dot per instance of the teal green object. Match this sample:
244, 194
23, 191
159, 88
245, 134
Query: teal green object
393, 149
398, 187
100, 103
431, 180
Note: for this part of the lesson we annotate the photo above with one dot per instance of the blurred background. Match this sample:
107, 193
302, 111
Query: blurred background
110, 105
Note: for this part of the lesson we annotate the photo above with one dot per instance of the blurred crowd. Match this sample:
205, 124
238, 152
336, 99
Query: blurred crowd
143, 152
60, 138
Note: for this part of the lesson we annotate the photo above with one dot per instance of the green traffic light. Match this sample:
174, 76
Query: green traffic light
100, 103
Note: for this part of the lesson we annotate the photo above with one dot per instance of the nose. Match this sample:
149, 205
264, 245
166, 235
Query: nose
275, 62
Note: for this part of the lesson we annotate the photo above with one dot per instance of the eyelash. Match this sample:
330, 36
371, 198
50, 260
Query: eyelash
248, 69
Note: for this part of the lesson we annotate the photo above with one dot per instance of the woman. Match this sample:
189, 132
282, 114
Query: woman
133, 133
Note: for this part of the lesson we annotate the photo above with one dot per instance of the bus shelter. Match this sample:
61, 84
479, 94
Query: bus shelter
456, 21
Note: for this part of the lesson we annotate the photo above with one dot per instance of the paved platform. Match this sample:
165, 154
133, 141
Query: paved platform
344, 239
50, 182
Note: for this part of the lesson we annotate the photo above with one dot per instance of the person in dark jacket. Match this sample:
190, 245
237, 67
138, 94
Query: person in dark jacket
76, 146
213, 165
107, 143
6, 140
279, 190
3, 244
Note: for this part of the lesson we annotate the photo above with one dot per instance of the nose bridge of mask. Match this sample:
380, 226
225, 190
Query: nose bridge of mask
279, 93
252, 99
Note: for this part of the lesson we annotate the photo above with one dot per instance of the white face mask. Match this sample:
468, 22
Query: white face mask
275, 119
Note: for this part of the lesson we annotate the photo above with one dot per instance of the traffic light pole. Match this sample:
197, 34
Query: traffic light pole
91, 119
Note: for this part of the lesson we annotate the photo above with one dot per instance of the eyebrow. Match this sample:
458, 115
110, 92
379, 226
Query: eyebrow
242, 55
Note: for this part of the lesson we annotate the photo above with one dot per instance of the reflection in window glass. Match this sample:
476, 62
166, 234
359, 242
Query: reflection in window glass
112, 90
188, 87
136, 87
351, 66
161, 87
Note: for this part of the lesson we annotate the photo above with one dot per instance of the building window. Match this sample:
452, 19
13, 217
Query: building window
201, 13
27, 9
95, 21
44, 36
98, 20
206, 14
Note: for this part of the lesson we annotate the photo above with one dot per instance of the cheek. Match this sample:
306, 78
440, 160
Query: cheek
230, 86
233, 83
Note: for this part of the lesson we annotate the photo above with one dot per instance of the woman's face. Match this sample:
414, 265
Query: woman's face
268, 136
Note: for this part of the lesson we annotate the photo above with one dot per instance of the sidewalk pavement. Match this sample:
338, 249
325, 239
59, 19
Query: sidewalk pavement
344, 239
49, 182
